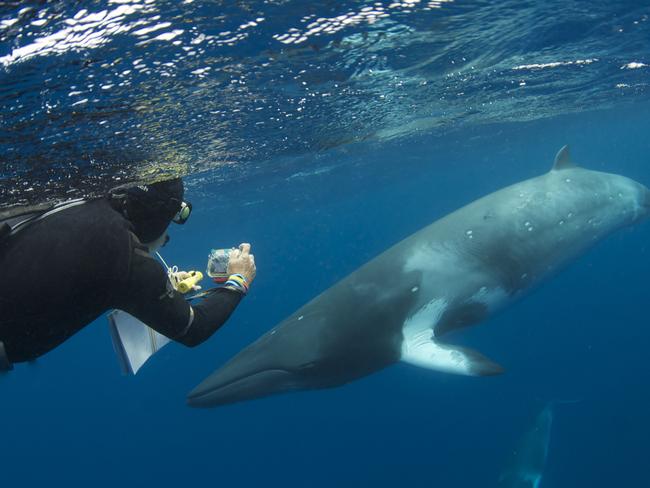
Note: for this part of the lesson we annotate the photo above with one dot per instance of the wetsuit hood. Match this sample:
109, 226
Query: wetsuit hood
151, 208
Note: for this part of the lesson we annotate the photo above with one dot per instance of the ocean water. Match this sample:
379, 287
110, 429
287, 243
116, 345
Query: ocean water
323, 133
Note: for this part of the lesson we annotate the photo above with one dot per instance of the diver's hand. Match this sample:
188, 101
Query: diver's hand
179, 276
243, 262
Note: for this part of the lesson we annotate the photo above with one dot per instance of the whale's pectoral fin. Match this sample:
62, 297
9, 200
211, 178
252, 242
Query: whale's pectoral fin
563, 160
422, 350
461, 316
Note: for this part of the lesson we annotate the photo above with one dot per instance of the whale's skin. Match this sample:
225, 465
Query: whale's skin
451, 274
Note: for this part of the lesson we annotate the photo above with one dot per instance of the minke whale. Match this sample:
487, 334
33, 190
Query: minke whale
451, 274
528, 459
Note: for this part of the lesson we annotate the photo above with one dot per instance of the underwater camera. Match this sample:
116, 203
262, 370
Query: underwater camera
218, 264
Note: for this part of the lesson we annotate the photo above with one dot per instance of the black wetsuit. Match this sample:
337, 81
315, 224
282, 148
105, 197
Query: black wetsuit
62, 272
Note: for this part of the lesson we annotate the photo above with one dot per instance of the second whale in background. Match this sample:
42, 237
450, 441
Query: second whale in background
528, 459
451, 274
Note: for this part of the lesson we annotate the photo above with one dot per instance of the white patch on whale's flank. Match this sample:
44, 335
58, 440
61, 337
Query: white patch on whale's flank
430, 258
492, 298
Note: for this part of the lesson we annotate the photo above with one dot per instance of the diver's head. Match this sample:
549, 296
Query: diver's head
151, 208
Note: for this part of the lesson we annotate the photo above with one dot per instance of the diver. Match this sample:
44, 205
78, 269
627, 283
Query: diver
65, 266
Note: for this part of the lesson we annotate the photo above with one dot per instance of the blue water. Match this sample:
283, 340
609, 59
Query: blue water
318, 193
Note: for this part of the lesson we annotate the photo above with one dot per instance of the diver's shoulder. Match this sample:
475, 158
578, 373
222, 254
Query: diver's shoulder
100, 206
96, 216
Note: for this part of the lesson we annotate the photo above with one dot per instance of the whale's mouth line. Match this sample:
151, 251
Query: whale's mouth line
211, 391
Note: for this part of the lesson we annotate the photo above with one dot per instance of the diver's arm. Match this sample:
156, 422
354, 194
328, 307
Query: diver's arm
213, 312
209, 315
149, 296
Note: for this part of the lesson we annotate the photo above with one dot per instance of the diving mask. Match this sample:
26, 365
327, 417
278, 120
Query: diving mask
183, 214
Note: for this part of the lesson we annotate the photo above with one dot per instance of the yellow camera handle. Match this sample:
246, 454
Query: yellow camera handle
189, 283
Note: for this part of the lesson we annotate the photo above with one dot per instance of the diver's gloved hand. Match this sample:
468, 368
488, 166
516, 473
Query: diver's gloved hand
242, 262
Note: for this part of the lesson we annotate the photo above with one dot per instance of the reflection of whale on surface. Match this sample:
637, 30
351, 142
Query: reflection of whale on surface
527, 461
450, 274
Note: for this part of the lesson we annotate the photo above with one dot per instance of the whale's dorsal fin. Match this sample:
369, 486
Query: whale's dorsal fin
563, 160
